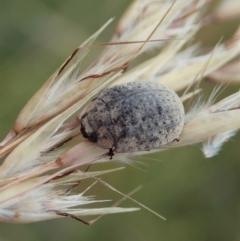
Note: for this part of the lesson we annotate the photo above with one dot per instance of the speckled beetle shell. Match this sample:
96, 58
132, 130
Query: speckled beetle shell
134, 117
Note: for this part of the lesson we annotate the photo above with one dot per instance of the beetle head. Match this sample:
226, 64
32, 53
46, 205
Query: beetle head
87, 130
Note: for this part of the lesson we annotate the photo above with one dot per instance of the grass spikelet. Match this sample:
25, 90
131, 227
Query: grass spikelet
213, 145
44, 155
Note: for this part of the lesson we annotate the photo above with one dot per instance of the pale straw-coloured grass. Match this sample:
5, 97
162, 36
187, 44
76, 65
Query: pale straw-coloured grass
45, 151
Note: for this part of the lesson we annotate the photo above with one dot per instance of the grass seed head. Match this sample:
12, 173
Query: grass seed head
44, 150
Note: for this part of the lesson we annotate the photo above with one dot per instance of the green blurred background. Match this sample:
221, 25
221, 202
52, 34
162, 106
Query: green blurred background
199, 197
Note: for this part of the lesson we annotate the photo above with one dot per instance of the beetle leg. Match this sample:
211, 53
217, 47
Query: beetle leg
111, 153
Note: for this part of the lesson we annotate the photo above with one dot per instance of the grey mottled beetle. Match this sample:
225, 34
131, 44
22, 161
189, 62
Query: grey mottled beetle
134, 117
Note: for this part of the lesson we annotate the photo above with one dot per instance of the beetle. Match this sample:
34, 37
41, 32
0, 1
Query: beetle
131, 117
